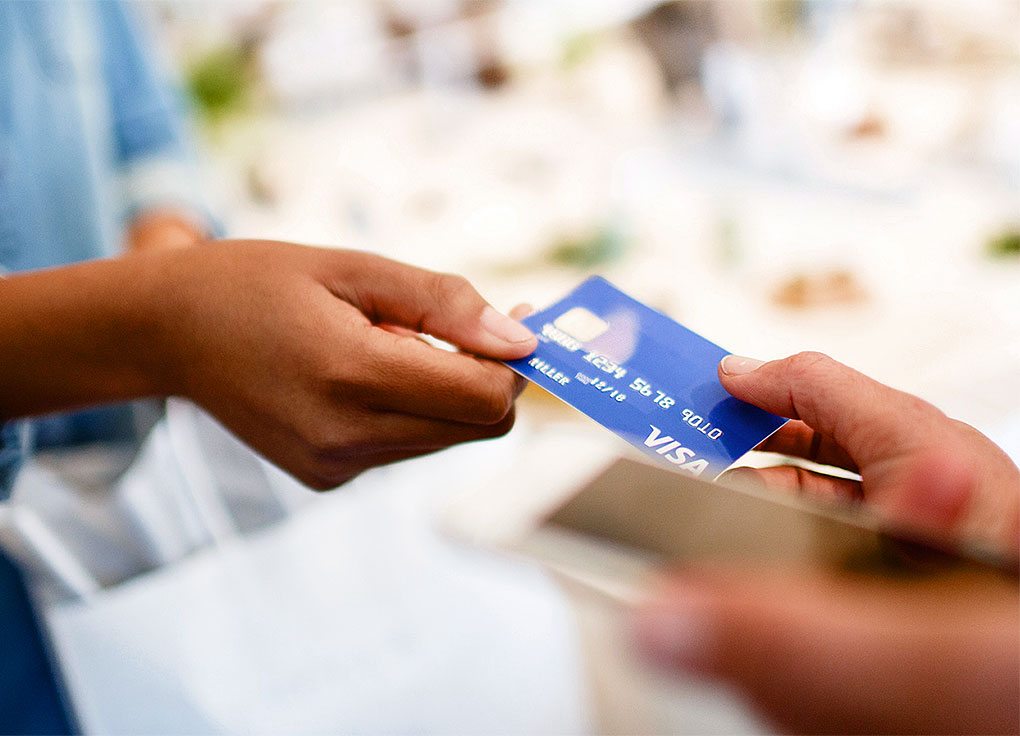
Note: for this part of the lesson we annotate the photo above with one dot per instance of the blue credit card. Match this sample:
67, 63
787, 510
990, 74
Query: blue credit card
646, 378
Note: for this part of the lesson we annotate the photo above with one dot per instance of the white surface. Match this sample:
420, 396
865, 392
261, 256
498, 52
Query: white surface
353, 616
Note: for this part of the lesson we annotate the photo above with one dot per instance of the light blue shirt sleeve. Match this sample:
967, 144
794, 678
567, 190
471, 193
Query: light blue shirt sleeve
146, 112
151, 141
91, 132
11, 441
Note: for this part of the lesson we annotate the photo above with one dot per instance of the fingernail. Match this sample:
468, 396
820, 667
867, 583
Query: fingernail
505, 328
675, 636
737, 365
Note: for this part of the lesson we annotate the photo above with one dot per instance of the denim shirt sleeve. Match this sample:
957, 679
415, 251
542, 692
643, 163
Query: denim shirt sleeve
147, 114
11, 440
152, 141
11, 447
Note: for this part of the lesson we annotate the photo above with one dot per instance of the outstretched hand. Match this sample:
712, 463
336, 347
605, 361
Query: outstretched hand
311, 355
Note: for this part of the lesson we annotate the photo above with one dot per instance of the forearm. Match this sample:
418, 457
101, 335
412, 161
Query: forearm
80, 335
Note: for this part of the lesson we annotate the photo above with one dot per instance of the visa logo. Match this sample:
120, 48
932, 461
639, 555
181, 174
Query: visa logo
671, 450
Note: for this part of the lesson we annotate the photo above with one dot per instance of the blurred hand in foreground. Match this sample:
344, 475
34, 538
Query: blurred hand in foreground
309, 355
816, 653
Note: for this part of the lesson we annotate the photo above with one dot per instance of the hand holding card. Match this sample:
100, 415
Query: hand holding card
917, 466
644, 377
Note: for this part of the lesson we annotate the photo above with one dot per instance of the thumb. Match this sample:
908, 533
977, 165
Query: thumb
864, 417
445, 306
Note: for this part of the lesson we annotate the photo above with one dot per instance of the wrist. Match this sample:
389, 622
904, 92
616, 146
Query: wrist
83, 335
154, 322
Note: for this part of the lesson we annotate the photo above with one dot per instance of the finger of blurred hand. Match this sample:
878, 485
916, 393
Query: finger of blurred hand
817, 654
442, 305
932, 496
939, 495
797, 439
795, 480
868, 420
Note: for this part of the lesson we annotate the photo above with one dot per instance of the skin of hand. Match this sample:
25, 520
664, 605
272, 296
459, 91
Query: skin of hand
818, 653
156, 230
918, 467
284, 344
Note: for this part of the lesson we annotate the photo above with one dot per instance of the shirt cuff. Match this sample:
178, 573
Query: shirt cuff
166, 183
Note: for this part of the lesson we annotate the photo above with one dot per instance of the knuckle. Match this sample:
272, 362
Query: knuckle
966, 430
366, 372
930, 414
497, 402
322, 476
801, 381
504, 426
808, 363
327, 443
319, 440
496, 429
452, 290
320, 484
316, 480
919, 407
490, 410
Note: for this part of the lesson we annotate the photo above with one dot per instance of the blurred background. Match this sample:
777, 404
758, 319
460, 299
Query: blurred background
834, 175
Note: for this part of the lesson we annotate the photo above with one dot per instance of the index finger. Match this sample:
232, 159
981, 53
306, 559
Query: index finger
412, 377
443, 305
869, 420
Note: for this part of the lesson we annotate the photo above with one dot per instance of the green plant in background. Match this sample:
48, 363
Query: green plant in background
606, 244
603, 245
220, 82
1005, 244
579, 48
784, 17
